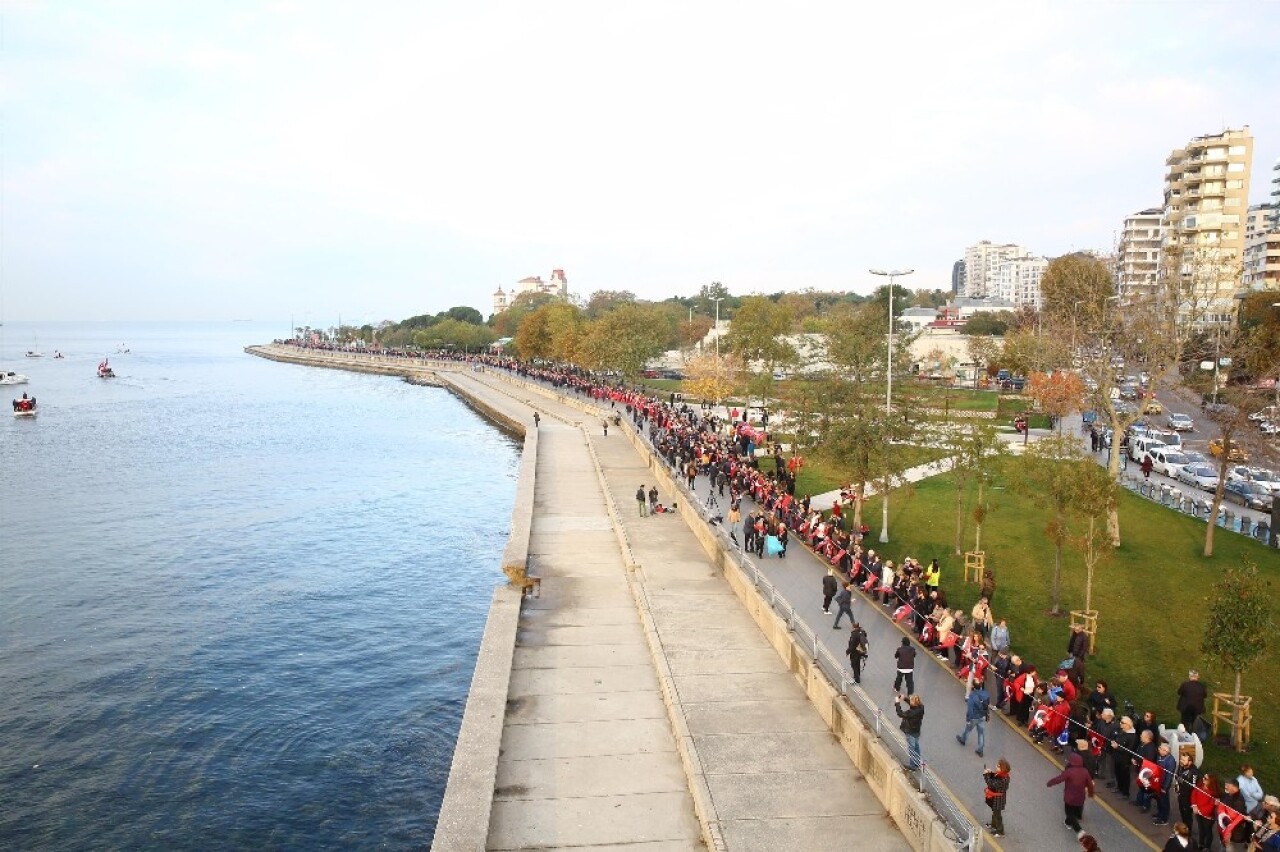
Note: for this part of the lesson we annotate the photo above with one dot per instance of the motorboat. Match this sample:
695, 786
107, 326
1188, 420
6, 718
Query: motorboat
31, 353
105, 371
25, 407
58, 355
9, 377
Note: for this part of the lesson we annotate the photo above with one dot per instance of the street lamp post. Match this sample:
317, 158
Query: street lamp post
718, 300
888, 396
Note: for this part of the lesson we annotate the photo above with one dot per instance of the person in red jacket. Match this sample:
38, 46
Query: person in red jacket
1077, 786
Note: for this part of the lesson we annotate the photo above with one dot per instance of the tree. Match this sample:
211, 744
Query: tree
1075, 292
1029, 351
710, 376
1049, 474
1238, 628
462, 313
601, 302
626, 338
982, 351
975, 450
1058, 393
758, 337
989, 323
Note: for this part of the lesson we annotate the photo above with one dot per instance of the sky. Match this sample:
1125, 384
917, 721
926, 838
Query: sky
233, 160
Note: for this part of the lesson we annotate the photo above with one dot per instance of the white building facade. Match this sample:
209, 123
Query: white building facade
1138, 260
981, 262
558, 285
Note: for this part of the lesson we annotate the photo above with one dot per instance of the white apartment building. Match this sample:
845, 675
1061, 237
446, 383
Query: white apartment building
1206, 199
1138, 260
980, 263
1262, 249
1017, 280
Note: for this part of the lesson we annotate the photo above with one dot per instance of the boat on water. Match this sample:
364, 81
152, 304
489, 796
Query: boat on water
25, 407
122, 349
58, 355
9, 377
31, 353
105, 371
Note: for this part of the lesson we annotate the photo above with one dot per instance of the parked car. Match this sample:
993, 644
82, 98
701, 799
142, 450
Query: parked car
1139, 448
1265, 479
1248, 494
1124, 407
1166, 436
1167, 461
1236, 454
1181, 422
1196, 457
1153, 406
1269, 427
1271, 412
1200, 475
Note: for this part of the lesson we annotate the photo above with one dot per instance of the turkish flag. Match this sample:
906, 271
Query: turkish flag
1008, 689
1228, 818
1150, 777
902, 613
1096, 743
1037, 721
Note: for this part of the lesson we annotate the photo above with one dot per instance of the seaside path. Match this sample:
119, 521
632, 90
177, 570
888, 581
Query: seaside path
766, 771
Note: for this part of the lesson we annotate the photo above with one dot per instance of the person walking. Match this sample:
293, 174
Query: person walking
911, 712
829, 589
857, 650
643, 500
653, 499
844, 603
536, 420
1180, 841
1191, 696
605, 424
905, 657
977, 712
1077, 786
996, 795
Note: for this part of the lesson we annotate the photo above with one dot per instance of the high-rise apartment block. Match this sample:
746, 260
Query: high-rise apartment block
980, 263
1138, 260
1262, 248
957, 278
1206, 199
1017, 280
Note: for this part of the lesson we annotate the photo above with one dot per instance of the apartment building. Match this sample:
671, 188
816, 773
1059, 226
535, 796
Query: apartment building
557, 286
980, 264
1262, 248
1017, 280
1206, 200
957, 278
1138, 258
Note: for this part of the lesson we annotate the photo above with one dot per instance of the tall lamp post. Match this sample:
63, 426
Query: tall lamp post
888, 395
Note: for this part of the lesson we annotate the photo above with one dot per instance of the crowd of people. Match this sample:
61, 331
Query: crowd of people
1135, 757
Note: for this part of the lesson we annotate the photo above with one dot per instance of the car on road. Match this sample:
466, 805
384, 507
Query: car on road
1181, 422
1265, 479
1269, 427
1236, 454
1168, 460
1271, 412
1200, 475
1153, 407
1196, 457
1248, 494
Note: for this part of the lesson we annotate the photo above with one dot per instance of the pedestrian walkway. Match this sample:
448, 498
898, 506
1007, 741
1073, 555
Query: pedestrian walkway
1034, 819
591, 755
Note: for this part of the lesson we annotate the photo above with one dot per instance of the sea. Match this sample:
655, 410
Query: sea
240, 601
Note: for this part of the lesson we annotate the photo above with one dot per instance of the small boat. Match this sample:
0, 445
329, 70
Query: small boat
9, 377
105, 371
25, 407
58, 355
31, 353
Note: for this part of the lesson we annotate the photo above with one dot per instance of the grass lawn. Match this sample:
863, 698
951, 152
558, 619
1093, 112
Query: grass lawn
1150, 595
959, 399
818, 476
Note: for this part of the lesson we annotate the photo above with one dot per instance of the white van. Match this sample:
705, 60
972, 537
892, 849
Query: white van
1168, 460
1167, 437
1140, 447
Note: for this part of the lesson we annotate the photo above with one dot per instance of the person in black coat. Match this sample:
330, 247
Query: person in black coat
829, 589
857, 650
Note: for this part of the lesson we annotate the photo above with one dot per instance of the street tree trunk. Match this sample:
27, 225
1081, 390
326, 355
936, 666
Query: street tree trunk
859, 495
1113, 508
1216, 505
959, 521
981, 514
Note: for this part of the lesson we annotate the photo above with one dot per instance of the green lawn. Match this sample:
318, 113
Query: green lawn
1150, 596
959, 399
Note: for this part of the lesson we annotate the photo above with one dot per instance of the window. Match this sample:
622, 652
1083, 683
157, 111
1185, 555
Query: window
1233, 202
1235, 167
1235, 184
1237, 149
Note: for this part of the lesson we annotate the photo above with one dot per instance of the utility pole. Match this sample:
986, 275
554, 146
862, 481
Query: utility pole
888, 397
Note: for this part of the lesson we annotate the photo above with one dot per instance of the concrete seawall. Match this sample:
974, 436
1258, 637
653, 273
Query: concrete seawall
664, 594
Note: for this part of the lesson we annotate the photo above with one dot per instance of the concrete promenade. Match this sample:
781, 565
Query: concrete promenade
643, 706
757, 758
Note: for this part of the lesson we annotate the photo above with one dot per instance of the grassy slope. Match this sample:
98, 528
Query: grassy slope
1150, 596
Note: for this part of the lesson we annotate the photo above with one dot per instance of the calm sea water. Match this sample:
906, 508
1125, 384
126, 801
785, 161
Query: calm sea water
240, 601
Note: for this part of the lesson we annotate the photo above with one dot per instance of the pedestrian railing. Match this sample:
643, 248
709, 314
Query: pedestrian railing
1198, 507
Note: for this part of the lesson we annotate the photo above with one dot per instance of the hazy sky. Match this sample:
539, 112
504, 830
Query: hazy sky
215, 160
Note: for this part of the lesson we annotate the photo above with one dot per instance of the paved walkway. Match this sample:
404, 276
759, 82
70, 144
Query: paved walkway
1034, 820
591, 756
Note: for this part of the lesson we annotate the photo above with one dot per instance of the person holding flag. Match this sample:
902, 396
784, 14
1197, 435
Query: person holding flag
1204, 803
1167, 766
1233, 828
1147, 773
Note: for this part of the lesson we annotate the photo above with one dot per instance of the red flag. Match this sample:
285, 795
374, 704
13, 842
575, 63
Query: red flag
1150, 777
1037, 721
1228, 818
902, 613
1008, 689
1096, 743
